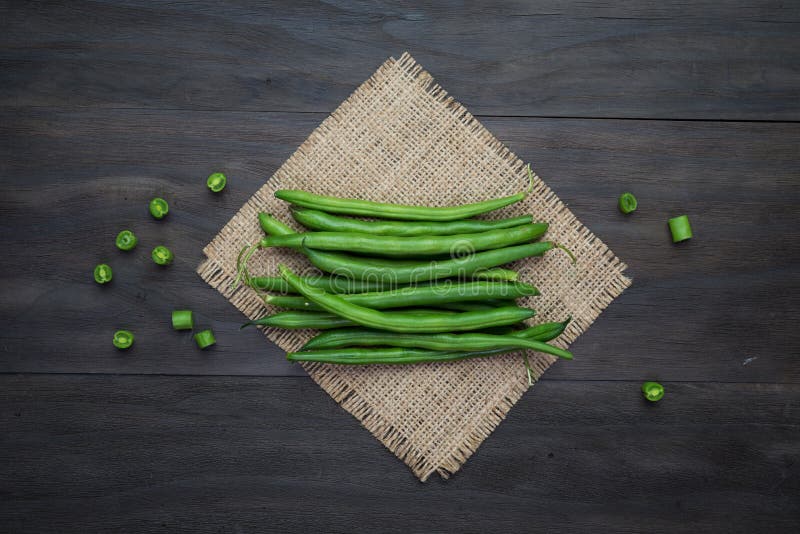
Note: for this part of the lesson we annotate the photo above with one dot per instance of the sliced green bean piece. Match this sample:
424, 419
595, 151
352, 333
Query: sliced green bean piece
123, 339
126, 240
653, 391
680, 228
216, 182
159, 208
182, 319
205, 339
162, 255
103, 273
627, 203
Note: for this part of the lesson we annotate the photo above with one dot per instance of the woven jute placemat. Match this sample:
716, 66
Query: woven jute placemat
400, 138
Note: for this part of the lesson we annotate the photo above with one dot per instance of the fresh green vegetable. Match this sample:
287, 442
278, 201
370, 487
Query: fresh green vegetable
627, 203
444, 342
159, 208
653, 391
367, 208
123, 339
293, 320
331, 284
543, 332
428, 295
381, 245
205, 339
126, 240
216, 182
182, 319
680, 228
273, 226
162, 255
399, 322
103, 274
321, 221
393, 271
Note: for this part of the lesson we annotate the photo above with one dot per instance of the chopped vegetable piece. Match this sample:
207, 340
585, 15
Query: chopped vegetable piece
205, 339
182, 319
680, 228
123, 339
159, 208
653, 391
216, 182
103, 274
126, 240
162, 255
627, 203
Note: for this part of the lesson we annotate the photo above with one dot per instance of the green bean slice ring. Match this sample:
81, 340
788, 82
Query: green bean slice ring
627, 203
162, 255
158, 208
103, 273
126, 240
123, 339
216, 182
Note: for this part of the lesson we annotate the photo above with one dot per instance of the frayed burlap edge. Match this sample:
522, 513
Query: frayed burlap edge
220, 275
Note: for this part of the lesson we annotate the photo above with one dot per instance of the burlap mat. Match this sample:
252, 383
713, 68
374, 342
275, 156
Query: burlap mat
400, 138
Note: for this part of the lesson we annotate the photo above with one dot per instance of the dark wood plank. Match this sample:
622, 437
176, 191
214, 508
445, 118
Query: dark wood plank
244, 454
719, 308
645, 58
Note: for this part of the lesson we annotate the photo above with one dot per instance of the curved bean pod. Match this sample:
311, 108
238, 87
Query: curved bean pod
380, 245
403, 322
321, 221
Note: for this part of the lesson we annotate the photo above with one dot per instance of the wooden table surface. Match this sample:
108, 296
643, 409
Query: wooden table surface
694, 107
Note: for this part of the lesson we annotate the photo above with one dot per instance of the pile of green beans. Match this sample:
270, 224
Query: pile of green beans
414, 284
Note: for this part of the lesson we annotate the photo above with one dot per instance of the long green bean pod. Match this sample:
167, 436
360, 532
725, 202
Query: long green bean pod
428, 295
445, 342
401, 322
393, 246
326, 222
366, 337
394, 271
381, 210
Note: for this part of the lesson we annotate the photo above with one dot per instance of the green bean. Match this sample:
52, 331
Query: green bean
363, 269
380, 245
321, 221
323, 320
393, 271
273, 226
352, 337
428, 295
378, 355
401, 322
331, 284
382, 210
447, 342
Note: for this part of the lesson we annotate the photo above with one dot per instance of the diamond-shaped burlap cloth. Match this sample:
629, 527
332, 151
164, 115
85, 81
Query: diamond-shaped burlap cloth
400, 138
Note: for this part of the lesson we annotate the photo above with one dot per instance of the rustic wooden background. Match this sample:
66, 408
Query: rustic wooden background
694, 107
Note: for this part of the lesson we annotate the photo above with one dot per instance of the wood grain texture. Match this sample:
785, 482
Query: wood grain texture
235, 454
719, 308
105, 104
728, 59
